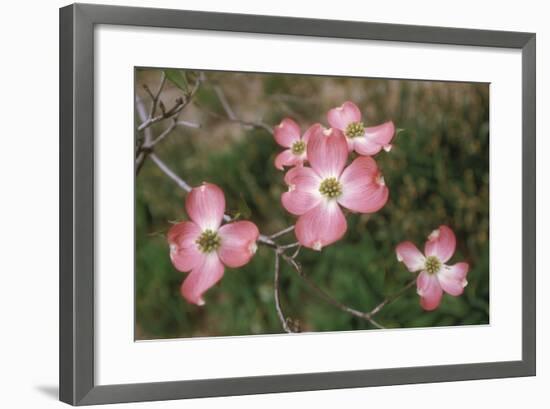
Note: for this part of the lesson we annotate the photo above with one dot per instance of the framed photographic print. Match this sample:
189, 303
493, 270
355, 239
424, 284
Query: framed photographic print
255, 204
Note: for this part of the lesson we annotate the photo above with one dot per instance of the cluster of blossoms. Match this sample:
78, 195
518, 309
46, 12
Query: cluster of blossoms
321, 183
318, 192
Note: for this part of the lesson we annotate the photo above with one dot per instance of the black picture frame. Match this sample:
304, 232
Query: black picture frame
77, 385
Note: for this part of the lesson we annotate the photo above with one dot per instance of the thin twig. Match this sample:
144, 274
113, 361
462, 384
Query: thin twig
280, 314
391, 298
289, 246
282, 232
156, 97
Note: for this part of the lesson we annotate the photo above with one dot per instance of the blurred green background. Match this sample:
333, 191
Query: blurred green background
437, 173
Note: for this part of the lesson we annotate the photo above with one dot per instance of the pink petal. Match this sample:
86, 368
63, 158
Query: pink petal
327, 152
303, 178
238, 243
310, 131
321, 226
299, 202
376, 138
409, 254
184, 252
363, 189
303, 193
453, 278
286, 132
287, 158
201, 278
205, 205
343, 115
441, 244
429, 290
351, 144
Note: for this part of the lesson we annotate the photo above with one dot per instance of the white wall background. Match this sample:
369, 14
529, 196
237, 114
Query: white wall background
29, 200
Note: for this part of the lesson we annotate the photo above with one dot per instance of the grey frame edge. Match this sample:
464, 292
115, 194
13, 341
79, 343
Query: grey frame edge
76, 254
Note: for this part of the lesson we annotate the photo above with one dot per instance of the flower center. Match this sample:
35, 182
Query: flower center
208, 241
432, 265
330, 188
298, 147
355, 129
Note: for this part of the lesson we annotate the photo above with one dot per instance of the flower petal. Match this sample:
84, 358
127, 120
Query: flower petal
303, 178
409, 254
363, 189
286, 132
299, 202
287, 158
238, 243
321, 226
429, 290
343, 115
205, 205
376, 138
310, 131
201, 278
441, 244
453, 278
327, 152
184, 252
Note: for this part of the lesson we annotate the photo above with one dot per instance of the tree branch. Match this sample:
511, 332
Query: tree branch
280, 314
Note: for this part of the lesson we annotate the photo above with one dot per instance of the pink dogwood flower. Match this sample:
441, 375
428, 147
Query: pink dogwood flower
316, 193
202, 246
364, 140
435, 276
288, 135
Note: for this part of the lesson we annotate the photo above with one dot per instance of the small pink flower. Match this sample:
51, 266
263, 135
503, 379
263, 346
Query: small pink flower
365, 140
202, 247
435, 276
316, 193
288, 135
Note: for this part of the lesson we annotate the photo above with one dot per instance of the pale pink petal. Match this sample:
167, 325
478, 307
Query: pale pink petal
365, 146
351, 144
321, 226
362, 170
303, 178
299, 202
303, 190
376, 138
327, 152
310, 131
287, 158
205, 205
343, 115
201, 278
409, 254
441, 244
238, 243
429, 290
286, 132
184, 252
453, 278
363, 189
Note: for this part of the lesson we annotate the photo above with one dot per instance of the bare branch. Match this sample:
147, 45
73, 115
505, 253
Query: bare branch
280, 314
168, 172
391, 298
189, 124
282, 232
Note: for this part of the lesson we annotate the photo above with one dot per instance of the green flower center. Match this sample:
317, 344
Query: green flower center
432, 265
208, 241
330, 188
355, 129
298, 147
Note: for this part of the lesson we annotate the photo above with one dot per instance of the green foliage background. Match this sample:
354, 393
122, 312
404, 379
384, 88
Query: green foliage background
437, 173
